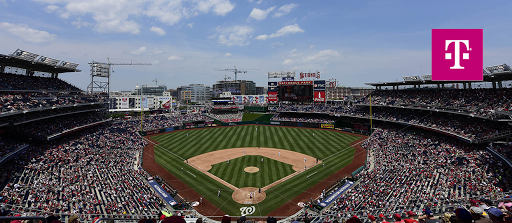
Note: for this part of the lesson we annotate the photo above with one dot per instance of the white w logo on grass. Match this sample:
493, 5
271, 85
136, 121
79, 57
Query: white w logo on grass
247, 210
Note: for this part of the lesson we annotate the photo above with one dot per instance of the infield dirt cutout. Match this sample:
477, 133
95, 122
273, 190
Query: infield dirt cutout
205, 161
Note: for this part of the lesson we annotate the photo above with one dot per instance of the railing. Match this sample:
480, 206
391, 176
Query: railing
6, 157
75, 129
4, 114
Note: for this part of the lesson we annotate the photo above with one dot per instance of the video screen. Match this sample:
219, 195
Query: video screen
295, 93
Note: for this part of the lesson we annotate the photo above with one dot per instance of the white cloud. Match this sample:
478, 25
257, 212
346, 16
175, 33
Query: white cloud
159, 31
227, 55
191, 25
156, 52
26, 33
119, 16
293, 51
235, 35
259, 14
286, 62
139, 51
261, 37
174, 57
156, 62
285, 9
3, 3
259, 2
51, 8
291, 29
322, 55
79, 24
311, 46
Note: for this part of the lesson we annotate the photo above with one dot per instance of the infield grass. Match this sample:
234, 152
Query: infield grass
269, 171
175, 147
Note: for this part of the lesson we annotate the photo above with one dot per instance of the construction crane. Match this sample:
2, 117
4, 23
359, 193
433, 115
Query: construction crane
156, 81
102, 70
235, 70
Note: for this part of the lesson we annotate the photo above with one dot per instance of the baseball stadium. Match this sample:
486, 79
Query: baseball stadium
272, 142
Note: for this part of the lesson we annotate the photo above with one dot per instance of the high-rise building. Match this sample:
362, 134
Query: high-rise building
198, 93
157, 90
238, 87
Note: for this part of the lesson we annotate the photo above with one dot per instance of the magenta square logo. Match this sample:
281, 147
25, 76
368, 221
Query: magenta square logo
457, 54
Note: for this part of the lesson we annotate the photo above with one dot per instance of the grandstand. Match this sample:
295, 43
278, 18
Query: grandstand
435, 148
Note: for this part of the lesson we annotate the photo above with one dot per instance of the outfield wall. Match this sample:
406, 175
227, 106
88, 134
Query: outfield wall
275, 123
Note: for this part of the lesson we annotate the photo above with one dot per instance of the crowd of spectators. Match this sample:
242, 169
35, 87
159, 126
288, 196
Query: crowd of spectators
467, 127
23, 101
51, 126
23, 82
7, 146
418, 169
296, 117
153, 122
474, 101
227, 116
464, 126
504, 149
305, 108
95, 172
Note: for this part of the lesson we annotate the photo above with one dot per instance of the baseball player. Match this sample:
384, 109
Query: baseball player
228, 160
182, 169
201, 200
304, 159
218, 194
279, 153
262, 159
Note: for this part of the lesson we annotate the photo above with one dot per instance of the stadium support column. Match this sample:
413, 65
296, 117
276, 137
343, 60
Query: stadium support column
2, 69
371, 124
494, 85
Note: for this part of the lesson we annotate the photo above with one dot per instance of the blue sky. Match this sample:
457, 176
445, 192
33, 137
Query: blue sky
355, 42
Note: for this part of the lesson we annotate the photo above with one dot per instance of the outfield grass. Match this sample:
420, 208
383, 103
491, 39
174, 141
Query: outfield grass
264, 118
233, 172
250, 116
176, 146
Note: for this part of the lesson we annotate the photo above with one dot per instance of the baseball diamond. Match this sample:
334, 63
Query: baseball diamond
282, 182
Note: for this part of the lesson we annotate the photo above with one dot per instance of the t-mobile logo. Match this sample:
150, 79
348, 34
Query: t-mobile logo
450, 55
465, 56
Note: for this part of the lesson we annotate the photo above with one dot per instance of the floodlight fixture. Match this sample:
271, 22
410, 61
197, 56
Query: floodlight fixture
24, 55
47, 60
68, 65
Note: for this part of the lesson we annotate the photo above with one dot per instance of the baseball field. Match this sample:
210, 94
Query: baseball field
284, 162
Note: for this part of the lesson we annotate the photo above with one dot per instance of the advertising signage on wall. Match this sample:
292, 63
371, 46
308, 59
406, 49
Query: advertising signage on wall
295, 83
319, 85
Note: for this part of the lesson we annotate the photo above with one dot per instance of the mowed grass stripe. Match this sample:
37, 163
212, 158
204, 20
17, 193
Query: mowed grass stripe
226, 140
294, 139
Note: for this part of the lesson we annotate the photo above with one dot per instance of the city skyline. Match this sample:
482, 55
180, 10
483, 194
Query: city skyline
354, 42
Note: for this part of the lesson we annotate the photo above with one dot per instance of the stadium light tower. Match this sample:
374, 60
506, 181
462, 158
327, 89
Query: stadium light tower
102, 70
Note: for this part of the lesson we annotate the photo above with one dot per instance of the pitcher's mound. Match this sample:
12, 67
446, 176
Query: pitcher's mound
243, 195
251, 169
